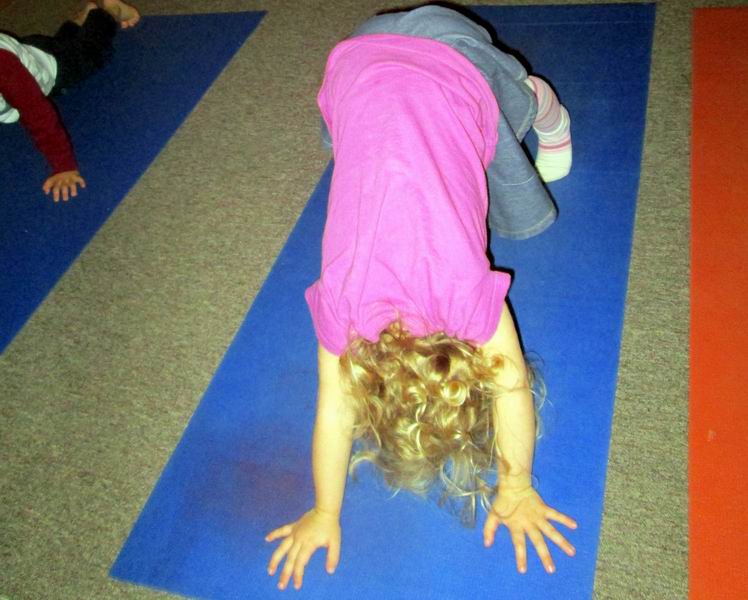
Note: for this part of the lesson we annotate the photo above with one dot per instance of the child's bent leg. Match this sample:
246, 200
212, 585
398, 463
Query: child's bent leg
552, 125
83, 49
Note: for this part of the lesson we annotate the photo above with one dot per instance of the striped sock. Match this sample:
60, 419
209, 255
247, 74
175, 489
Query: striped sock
552, 126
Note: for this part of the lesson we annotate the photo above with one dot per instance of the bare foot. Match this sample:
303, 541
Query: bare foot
81, 17
125, 14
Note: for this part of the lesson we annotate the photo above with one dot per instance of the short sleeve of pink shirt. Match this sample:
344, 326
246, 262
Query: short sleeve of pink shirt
413, 125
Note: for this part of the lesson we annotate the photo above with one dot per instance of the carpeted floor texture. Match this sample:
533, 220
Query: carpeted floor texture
97, 388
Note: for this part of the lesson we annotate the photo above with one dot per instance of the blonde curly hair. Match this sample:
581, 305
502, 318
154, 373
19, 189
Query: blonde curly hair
423, 414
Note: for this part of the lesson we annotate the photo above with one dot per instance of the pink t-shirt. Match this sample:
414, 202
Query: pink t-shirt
413, 126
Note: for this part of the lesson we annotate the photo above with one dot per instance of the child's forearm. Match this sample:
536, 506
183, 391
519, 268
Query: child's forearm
514, 411
331, 447
37, 115
515, 432
330, 454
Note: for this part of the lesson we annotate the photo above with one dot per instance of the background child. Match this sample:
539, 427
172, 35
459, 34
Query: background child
36, 66
419, 357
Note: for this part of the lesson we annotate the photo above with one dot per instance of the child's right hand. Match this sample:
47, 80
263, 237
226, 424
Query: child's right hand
314, 530
64, 184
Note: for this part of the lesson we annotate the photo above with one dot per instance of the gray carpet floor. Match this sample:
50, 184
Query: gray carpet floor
98, 387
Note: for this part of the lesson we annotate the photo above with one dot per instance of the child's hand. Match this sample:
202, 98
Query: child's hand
64, 184
314, 530
525, 513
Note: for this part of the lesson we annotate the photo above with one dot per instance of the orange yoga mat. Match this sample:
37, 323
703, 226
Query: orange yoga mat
718, 426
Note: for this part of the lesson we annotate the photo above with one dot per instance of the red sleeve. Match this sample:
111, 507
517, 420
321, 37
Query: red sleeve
38, 115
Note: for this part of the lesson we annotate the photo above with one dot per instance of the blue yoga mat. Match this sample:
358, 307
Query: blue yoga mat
119, 119
242, 467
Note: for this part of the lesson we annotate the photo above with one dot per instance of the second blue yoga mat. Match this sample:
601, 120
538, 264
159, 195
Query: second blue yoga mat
118, 119
242, 467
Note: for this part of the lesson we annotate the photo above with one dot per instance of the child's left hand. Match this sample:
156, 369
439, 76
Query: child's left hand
64, 184
524, 513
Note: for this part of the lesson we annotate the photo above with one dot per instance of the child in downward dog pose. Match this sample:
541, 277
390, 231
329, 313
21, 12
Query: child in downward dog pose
419, 358
37, 66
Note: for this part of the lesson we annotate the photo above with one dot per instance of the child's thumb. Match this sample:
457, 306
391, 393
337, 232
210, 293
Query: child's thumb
489, 529
333, 556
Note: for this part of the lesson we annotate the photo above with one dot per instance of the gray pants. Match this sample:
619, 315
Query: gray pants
519, 206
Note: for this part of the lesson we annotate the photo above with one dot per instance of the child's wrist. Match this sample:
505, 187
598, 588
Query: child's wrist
515, 482
327, 512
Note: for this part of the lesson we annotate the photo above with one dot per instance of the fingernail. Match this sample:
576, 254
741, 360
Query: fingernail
550, 569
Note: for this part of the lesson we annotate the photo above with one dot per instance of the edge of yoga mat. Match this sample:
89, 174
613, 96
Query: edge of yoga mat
159, 72
718, 415
241, 467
